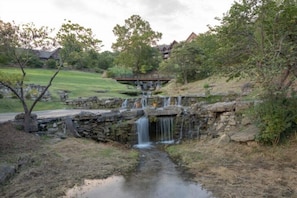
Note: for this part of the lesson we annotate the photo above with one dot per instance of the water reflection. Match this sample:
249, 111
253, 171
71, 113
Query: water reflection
156, 177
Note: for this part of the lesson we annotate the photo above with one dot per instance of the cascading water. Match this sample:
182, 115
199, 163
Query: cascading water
125, 104
165, 130
181, 129
144, 101
166, 102
179, 101
143, 132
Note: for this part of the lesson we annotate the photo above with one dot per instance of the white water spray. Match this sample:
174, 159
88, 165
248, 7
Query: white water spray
143, 132
165, 132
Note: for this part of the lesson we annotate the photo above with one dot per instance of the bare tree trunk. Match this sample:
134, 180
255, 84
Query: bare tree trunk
29, 120
30, 123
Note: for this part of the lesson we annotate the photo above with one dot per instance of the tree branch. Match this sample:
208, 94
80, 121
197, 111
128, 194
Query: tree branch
17, 94
44, 91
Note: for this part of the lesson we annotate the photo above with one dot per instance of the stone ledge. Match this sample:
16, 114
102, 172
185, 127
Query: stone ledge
246, 135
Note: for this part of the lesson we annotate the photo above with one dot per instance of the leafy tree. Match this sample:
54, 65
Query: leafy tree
106, 60
185, 61
17, 42
134, 44
5, 31
258, 38
77, 42
208, 43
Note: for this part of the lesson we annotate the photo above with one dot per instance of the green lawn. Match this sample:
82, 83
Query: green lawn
79, 84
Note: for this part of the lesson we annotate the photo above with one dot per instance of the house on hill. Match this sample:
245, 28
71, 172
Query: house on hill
166, 49
191, 37
46, 55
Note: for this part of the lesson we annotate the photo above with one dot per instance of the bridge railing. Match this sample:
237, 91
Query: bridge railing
153, 77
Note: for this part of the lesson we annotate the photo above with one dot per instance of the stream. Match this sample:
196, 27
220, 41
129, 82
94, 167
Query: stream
156, 177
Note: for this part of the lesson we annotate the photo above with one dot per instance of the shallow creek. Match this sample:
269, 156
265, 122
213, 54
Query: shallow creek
156, 177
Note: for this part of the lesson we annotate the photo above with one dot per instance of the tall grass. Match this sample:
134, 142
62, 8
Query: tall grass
77, 83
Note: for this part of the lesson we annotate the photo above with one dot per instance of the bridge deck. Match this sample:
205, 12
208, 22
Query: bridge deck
142, 79
145, 77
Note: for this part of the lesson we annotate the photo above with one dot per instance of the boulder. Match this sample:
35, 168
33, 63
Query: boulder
221, 107
6, 171
248, 134
223, 140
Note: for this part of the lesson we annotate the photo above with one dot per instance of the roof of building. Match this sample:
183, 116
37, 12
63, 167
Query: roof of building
191, 37
47, 54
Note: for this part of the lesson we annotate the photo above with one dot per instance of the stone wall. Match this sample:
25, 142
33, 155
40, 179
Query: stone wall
31, 91
106, 127
222, 120
146, 101
226, 120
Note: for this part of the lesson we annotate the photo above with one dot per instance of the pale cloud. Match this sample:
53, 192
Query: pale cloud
175, 19
163, 8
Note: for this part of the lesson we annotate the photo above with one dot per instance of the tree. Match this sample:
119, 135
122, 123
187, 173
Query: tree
17, 42
106, 60
134, 44
258, 39
208, 43
185, 61
77, 42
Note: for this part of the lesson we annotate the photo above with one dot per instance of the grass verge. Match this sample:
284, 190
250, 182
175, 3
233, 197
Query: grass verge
240, 170
77, 83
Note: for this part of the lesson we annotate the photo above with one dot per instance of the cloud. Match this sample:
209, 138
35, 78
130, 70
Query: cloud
175, 19
163, 8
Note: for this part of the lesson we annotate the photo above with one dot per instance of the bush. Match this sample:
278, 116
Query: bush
51, 64
118, 72
276, 116
35, 62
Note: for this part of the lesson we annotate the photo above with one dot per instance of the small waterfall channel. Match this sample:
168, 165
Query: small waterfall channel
156, 176
161, 131
143, 132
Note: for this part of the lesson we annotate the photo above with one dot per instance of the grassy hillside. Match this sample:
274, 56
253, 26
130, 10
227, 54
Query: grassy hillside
78, 84
215, 84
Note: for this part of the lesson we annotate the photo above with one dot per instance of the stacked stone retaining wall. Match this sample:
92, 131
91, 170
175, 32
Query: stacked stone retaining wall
200, 120
31, 91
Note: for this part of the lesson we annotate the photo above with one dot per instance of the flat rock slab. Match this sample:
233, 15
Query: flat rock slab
248, 134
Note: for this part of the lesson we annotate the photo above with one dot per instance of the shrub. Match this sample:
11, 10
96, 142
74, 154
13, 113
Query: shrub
118, 71
35, 62
51, 64
275, 116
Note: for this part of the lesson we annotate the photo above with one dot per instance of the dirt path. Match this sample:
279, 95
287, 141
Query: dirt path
4, 117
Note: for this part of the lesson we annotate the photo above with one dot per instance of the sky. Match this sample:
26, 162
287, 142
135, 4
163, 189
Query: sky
175, 19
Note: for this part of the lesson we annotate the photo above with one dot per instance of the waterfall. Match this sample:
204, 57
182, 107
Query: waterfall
125, 104
144, 101
181, 129
143, 132
165, 132
167, 101
179, 101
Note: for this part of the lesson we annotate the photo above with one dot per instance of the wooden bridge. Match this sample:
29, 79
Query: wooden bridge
145, 82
